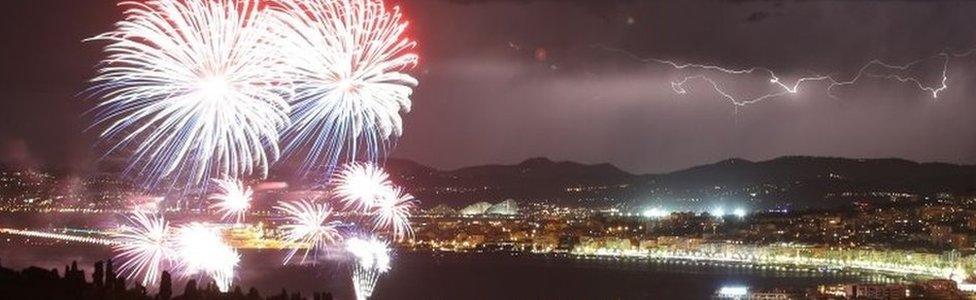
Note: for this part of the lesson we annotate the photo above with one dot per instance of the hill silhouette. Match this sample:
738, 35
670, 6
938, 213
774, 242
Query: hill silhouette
801, 180
791, 181
39, 283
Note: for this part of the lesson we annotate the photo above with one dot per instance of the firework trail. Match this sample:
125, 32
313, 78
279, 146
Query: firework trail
372, 260
233, 199
345, 61
392, 212
200, 250
360, 185
309, 224
188, 90
872, 69
142, 248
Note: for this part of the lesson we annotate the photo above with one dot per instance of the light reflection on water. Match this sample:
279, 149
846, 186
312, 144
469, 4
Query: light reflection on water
478, 276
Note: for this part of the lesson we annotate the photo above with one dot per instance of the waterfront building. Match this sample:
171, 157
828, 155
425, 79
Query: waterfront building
880, 291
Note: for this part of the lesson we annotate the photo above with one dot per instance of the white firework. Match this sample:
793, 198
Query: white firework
346, 61
372, 260
360, 185
233, 199
392, 212
188, 89
141, 247
310, 226
200, 250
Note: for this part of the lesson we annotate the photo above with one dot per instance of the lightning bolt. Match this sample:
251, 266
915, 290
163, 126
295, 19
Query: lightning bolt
781, 88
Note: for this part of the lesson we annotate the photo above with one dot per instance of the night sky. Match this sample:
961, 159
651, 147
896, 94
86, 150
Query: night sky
502, 81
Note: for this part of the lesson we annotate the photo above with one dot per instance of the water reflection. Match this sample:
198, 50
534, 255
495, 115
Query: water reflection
481, 276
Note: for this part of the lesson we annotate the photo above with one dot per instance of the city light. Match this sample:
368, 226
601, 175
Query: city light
58, 236
740, 213
734, 292
717, 212
655, 212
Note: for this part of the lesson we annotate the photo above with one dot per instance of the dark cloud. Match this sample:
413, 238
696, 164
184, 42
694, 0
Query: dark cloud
757, 16
606, 9
15, 153
600, 106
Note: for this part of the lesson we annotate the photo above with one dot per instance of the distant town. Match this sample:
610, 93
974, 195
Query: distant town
919, 232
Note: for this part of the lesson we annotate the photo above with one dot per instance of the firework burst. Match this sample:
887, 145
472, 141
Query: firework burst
233, 199
201, 250
372, 260
188, 90
392, 212
360, 185
141, 245
310, 225
345, 60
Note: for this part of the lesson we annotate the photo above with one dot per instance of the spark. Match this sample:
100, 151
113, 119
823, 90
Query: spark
188, 88
781, 88
346, 60
392, 212
142, 247
233, 199
360, 185
201, 250
372, 260
310, 224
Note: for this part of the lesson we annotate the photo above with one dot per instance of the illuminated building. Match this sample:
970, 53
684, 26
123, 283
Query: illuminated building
505, 208
880, 291
476, 209
732, 293
442, 210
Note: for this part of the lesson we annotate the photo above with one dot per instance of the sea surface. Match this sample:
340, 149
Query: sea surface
425, 275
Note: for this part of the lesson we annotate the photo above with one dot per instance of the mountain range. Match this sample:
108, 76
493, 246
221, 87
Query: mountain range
783, 183
792, 181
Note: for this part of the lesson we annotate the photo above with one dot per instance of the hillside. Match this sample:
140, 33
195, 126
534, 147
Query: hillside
801, 181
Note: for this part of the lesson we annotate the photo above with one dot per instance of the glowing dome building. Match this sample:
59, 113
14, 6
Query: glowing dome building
505, 208
443, 210
476, 209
